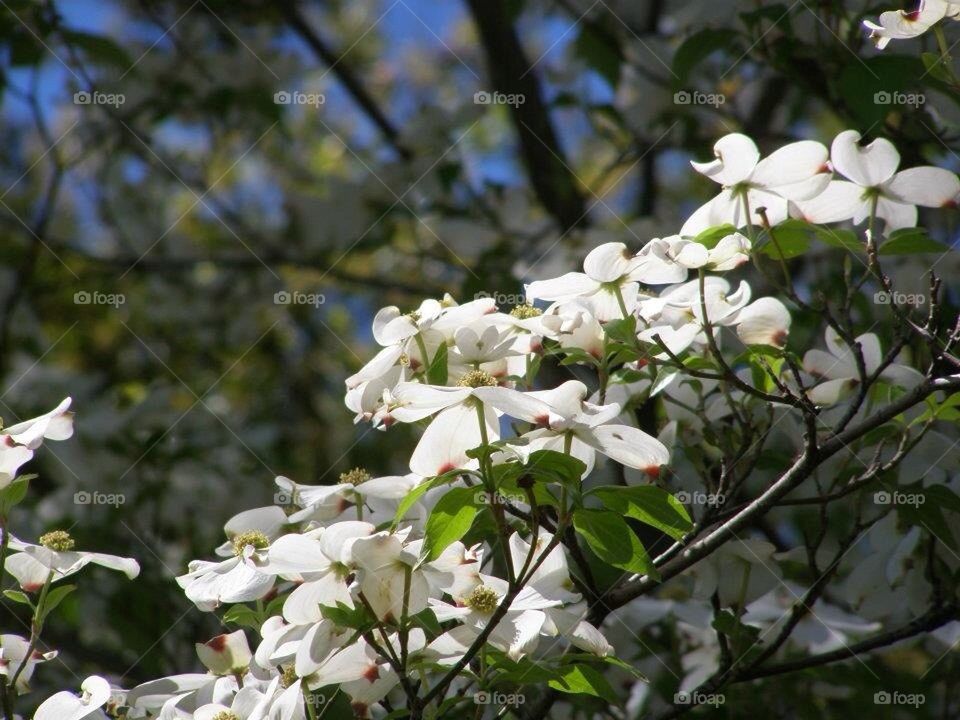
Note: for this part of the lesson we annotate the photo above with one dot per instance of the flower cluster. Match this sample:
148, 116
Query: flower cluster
467, 569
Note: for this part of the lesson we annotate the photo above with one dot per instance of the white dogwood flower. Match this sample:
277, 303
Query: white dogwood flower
456, 427
18, 441
797, 171
239, 578
54, 559
13, 650
872, 179
906, 24
838, 368
552, 580
563, 417
608, 283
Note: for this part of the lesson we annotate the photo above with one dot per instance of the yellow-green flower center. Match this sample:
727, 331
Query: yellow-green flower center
57, 540
525, 312
288, 677
225, 715
257, 539
477, 378
482, 599
355, 477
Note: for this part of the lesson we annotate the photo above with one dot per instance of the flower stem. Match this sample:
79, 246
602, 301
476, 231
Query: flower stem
36, 626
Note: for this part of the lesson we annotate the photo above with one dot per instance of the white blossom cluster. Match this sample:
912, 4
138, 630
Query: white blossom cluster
356, 587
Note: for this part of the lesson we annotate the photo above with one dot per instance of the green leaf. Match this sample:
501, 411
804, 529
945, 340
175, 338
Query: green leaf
524, 671
355, 618
947, 410
697, 48
14, 493
584, 680
243, 616
648, 504
787, 240
869, 87
910, 241
419, 491
623, 330
437, 372
711, 236
935, 66
846, 239
18, 597
54, 597
553, 466
450, 520
612, 540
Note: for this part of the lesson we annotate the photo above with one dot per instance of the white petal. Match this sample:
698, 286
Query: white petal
315, 648
731, 252
869, 166
737, 157
839, 201
54, 425
67, 706
296, 554
792, 163
225, 653
902, 376
630, 446
418, 401
446, 440
566, 287
351, 663
764, 322
302, 606
268, 520
896, 215
870, 348
12, 456
519, 405
927, 186
608, 262
832, 391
